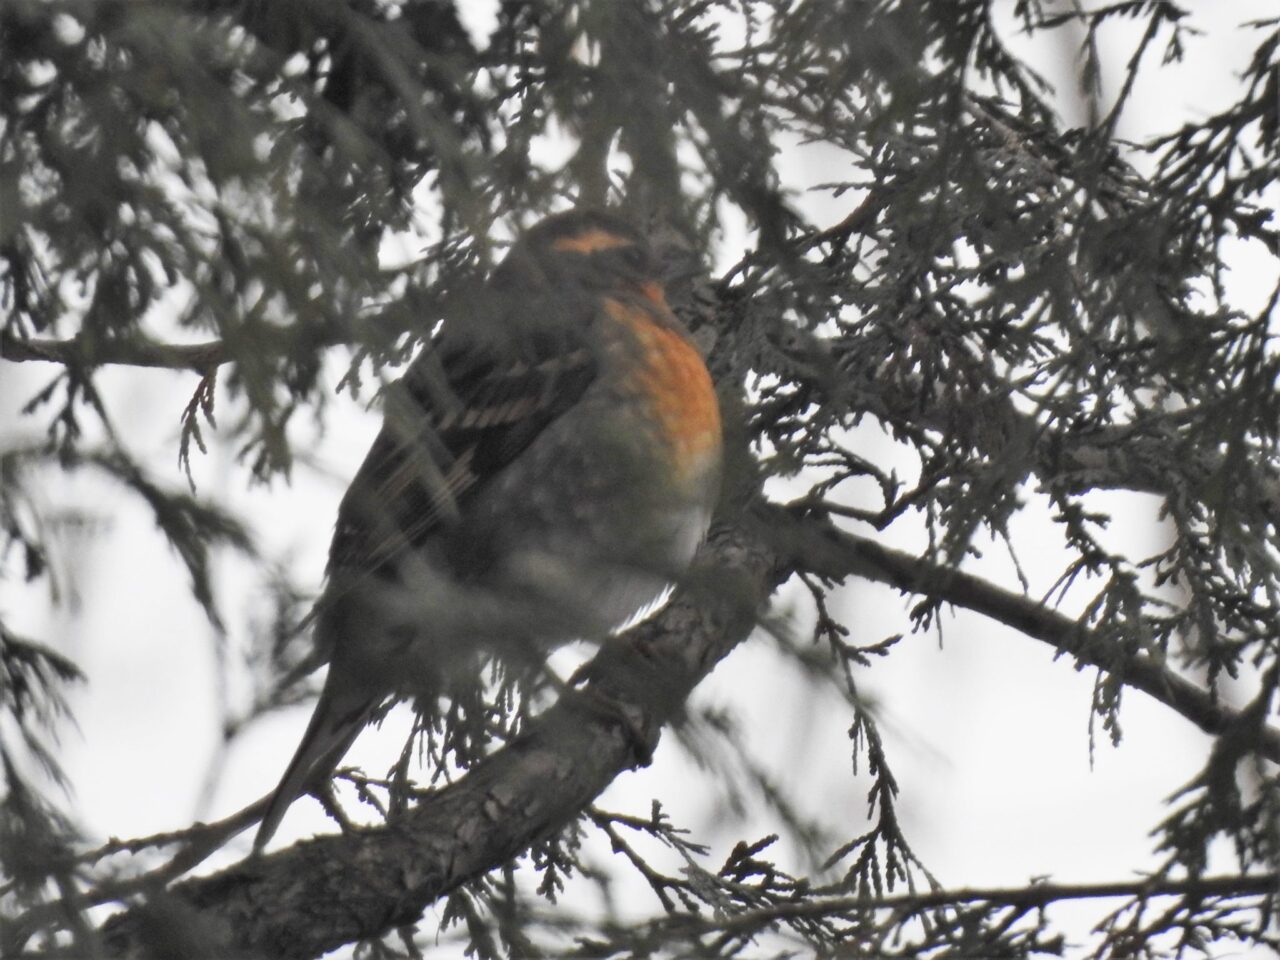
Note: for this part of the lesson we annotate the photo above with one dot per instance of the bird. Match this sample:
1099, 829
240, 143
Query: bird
546, 468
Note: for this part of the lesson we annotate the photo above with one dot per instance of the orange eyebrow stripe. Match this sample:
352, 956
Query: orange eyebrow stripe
590, 242
653, 292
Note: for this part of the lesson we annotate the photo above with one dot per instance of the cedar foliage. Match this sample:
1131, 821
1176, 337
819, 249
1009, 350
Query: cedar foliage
1034, 312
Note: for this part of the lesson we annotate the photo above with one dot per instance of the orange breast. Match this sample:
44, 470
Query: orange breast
674, 382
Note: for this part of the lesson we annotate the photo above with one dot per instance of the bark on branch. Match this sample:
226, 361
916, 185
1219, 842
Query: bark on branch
315, 896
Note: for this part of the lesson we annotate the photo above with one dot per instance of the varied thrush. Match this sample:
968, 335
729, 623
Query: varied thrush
546, 467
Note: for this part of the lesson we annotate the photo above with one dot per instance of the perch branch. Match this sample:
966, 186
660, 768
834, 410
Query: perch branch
315, 896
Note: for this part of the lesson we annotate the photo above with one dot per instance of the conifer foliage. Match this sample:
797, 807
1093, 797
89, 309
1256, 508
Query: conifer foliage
1030, 311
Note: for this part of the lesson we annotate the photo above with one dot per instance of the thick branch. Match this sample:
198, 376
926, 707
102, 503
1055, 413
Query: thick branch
315, 896
820, 547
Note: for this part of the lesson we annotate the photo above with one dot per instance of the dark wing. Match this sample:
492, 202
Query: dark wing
455, 419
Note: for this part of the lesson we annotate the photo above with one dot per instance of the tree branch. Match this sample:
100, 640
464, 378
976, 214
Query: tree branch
820, 547
1031, 896
315, 896
135, 352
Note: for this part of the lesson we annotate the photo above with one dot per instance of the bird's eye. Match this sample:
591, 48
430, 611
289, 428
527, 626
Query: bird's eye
634, 257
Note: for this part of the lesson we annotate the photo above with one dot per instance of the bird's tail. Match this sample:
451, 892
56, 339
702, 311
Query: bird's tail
337, 721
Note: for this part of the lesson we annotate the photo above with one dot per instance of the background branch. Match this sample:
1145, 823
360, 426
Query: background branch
134, 352
1033, 895
819, 546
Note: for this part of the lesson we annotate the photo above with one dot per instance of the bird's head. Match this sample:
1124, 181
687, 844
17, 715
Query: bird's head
591, 248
